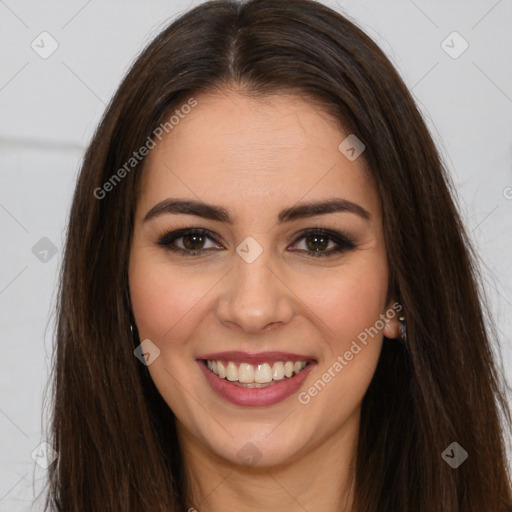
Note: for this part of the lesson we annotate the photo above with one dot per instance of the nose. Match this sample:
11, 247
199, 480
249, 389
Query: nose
255, 298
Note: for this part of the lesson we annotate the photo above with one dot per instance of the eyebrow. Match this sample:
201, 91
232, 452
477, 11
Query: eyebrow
221, 214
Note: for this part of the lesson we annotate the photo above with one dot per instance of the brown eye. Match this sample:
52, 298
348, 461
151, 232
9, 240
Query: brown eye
317, 241
192, 241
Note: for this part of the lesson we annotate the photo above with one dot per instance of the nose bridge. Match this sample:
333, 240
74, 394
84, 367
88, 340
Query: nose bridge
255, 296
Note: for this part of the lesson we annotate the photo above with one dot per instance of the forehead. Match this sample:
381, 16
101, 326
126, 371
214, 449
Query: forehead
278, 148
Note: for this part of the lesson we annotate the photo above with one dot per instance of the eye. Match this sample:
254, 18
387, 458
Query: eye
316, 241
191, 242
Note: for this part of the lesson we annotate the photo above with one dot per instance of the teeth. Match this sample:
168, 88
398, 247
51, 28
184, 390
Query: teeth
246, 373
278, 371
231, 372
264, 373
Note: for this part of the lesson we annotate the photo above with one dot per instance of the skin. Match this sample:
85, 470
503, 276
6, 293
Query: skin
243, 153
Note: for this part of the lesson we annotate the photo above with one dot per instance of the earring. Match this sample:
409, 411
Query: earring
403, 329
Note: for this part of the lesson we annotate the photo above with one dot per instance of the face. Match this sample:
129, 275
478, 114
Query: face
262, 281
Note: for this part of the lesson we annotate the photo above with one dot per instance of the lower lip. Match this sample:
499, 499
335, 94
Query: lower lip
255, 397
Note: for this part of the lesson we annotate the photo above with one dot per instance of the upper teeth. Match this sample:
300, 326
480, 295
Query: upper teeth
261, 373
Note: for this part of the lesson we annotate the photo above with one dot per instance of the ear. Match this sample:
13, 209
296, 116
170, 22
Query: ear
392, 328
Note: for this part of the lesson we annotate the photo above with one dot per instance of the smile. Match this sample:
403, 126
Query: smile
255, 375
240, 385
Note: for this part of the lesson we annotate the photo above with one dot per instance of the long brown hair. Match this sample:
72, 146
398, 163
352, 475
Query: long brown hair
114, 434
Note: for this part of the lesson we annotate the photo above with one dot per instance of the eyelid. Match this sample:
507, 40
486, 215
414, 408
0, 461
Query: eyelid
343, 242
166, 237
340, 239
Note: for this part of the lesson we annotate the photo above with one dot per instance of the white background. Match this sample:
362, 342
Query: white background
50, 107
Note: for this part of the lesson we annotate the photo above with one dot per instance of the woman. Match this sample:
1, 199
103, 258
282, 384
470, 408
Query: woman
268, 299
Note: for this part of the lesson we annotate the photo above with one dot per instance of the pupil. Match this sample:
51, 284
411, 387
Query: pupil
316, 244
194, 242
197, 240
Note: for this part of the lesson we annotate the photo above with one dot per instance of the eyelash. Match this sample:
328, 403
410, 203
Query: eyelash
344, 243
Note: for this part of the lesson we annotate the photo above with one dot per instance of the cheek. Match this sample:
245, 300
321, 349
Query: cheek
164, 299
351, 302
351, 311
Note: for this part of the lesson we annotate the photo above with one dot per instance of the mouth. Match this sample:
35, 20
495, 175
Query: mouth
259, 376
255, 384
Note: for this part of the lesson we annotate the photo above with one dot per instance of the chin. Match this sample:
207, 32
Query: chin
258, 447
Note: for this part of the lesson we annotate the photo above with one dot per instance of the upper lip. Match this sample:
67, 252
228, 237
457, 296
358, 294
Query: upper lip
256, 358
